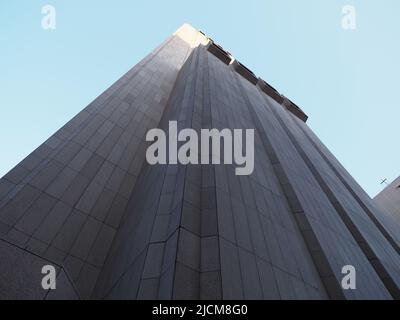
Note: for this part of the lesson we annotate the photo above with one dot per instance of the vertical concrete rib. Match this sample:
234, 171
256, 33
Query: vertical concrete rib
369, 252
327, 275
367, 210
210, 268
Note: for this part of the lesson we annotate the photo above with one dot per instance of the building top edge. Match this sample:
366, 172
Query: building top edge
195, 37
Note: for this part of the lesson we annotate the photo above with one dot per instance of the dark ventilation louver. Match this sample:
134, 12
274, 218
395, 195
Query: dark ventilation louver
270, 91
220, 53
293, 108
244, 72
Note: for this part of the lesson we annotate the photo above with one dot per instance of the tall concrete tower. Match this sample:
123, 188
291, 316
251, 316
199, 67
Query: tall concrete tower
115, 227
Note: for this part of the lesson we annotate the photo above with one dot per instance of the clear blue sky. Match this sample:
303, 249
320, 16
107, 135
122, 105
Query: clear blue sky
346, 81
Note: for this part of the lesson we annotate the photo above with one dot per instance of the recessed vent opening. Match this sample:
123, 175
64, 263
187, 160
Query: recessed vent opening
270, 91
245, 72
220, 53
249, 75
293, 108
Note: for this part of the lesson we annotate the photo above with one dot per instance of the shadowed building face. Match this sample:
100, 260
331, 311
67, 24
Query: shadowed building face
117, 227
389, 201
